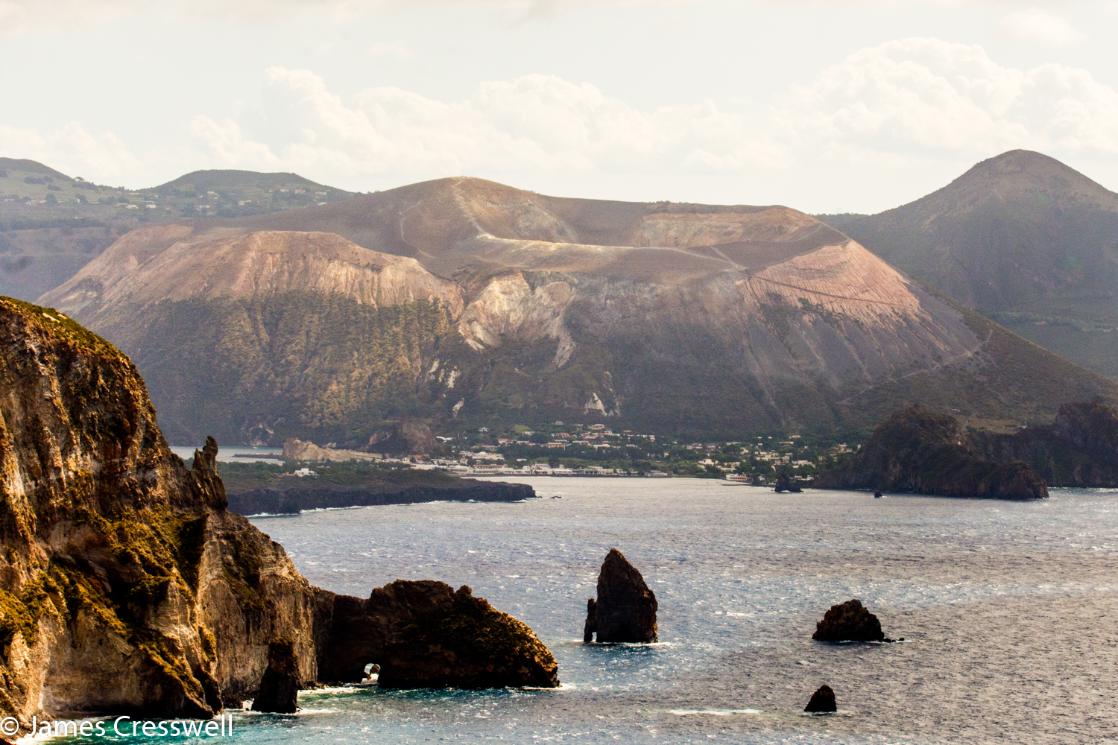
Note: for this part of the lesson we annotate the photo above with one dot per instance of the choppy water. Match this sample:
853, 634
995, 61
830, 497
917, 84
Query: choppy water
1010, 612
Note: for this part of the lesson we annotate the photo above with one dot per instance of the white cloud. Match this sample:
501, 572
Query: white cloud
530, 123
74, 150
890, 106
897, 107
905, 101
1035, 24
917, 97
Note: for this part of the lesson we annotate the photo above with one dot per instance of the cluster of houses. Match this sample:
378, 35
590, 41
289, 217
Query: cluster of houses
566, 450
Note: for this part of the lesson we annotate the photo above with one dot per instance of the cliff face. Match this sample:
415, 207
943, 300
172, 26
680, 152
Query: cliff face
125, 585
1079, 448
465, 302
919, 451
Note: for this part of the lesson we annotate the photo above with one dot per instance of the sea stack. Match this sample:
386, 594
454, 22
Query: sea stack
625, 610
849, 622
279, 688
822, 702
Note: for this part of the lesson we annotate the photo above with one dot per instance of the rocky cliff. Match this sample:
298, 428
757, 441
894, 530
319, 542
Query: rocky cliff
126, 585
920, 451
1079, 448
468, 303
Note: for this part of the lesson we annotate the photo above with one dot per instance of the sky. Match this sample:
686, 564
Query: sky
822, 105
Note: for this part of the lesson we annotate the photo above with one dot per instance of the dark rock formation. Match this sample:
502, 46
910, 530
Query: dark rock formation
279, 688
849, 622
822, 701
308, 494
424, 633
785, 483
591, 624
1079, 448
625, 610
125, 586
924, 452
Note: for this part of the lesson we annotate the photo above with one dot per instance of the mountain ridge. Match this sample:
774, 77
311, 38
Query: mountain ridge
706, 319
52, 224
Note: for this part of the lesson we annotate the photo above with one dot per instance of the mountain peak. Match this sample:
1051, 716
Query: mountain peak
1029, 174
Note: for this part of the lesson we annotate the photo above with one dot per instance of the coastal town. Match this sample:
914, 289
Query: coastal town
597, 450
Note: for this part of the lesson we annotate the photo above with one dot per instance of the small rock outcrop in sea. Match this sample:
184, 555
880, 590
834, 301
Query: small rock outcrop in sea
849, 622
785, 483
822, 701
924, 452
425, 634
625, 610
279, 688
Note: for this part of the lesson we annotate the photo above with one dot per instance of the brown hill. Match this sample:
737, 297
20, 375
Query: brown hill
1021, 238
468, 301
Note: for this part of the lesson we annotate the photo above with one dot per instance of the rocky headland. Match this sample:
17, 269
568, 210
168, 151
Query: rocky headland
126, 585
920, 451
259, 489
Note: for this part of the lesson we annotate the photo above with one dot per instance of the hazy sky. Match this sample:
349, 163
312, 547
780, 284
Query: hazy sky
825, 105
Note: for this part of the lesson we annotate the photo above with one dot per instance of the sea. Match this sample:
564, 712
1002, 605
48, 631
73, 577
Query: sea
1009, 614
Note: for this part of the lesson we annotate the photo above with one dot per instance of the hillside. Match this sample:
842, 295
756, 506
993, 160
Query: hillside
52, 224
466, 302
1021, 238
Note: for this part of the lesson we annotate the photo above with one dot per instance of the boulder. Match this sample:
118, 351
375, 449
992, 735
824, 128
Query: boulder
822, 701
784, 483
425, 634
279, 688
625, 610
849, 621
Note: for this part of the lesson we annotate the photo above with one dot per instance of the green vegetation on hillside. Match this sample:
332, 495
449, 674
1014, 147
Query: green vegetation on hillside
318, 366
